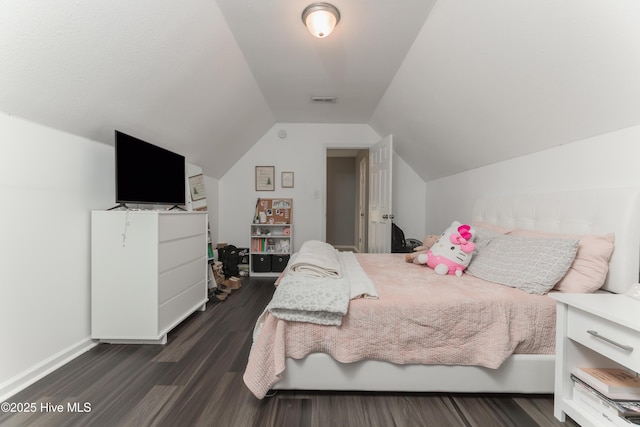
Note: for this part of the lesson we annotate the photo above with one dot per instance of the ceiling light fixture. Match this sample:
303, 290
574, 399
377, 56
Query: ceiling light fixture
320, 19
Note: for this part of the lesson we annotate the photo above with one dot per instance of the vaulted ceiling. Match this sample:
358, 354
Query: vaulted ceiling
459, 83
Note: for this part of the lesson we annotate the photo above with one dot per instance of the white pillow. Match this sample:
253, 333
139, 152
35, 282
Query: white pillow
534, 265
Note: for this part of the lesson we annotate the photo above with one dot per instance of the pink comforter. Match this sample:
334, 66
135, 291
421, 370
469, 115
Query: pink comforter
419, 318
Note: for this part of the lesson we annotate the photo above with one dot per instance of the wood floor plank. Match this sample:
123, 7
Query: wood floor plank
188, 334
427, 411
231, 404
292, 413
541, 410
196, 380
483, 411
152, 408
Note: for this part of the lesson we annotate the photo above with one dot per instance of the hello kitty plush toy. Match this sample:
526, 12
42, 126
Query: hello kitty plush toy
452, 252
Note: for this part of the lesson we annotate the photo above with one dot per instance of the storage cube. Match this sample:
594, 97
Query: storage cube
279, 262
261, 263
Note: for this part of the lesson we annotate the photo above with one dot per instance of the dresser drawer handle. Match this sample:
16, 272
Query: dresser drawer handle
610, 341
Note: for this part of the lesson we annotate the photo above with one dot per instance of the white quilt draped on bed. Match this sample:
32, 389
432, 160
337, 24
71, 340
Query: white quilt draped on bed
318, 289
419, 318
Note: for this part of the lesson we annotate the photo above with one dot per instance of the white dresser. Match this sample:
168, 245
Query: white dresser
148, 273
593, 330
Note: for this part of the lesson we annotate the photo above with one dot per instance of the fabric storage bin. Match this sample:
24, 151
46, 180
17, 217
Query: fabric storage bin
279, 262
261, 263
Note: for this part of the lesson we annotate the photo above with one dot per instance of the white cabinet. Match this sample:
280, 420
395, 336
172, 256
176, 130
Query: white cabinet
593, 330
271, 247
148, 273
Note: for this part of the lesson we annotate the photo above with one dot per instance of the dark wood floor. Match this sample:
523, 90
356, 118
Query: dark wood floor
196, 380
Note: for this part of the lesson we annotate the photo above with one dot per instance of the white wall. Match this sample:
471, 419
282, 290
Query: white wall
302, 151
409, 199
604, 161
211, 184
49, 183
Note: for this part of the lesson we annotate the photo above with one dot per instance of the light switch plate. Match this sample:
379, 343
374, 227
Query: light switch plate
634, 291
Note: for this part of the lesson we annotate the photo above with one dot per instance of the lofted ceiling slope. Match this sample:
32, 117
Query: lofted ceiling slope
490, 80
459, 83
165, 71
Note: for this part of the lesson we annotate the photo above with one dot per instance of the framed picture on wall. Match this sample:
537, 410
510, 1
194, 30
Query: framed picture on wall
196, 185
287, 179
265, 178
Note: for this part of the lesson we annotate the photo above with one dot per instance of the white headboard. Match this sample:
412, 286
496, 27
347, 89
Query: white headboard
577, 212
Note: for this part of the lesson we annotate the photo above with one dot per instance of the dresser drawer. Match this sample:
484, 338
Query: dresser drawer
181, 224
617, 342
175, 281
174, 253
178, 308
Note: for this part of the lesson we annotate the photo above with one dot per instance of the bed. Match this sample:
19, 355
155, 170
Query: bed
527, 368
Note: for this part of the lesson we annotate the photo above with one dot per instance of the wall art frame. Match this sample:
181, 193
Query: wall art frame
265, 178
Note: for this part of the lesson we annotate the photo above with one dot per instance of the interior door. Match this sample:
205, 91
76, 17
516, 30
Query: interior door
380, 207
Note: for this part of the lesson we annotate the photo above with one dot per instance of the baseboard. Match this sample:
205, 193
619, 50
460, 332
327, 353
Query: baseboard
42, 369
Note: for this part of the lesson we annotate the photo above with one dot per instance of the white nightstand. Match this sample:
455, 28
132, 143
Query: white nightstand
593, 330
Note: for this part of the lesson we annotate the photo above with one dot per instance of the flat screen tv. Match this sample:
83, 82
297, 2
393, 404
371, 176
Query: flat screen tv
146, 173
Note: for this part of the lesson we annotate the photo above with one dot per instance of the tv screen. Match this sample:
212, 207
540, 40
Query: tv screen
146, 173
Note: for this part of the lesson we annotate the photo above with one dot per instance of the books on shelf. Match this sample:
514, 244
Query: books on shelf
611, 412
615, 383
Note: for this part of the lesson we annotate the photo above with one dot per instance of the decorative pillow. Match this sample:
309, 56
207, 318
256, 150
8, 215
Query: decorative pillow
591, 265
485, 232
534, 265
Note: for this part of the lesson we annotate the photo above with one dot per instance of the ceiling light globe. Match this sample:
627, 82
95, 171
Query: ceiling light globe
321, 19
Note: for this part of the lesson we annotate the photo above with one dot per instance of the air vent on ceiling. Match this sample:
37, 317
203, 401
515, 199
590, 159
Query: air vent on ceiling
324, 99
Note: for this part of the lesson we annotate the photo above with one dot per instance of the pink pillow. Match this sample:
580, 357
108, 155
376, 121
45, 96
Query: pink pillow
589, 269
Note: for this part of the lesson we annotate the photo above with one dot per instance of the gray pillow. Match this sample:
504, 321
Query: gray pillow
532, 264
483, 238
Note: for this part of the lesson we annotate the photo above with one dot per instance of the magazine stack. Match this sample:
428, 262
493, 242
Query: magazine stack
611, 393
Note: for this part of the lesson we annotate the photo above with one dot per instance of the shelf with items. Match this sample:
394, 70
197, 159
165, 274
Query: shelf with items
271, 246
243, 261
271, 237
593, 331
211, 280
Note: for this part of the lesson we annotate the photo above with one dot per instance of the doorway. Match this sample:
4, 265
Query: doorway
347, 196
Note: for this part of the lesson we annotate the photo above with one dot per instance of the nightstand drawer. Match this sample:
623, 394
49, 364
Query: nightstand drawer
617, 342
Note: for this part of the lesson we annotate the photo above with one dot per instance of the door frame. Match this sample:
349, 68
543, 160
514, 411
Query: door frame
328, 147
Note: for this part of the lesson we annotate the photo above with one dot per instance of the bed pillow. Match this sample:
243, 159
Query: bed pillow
591, 265
533, 265
485, 232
